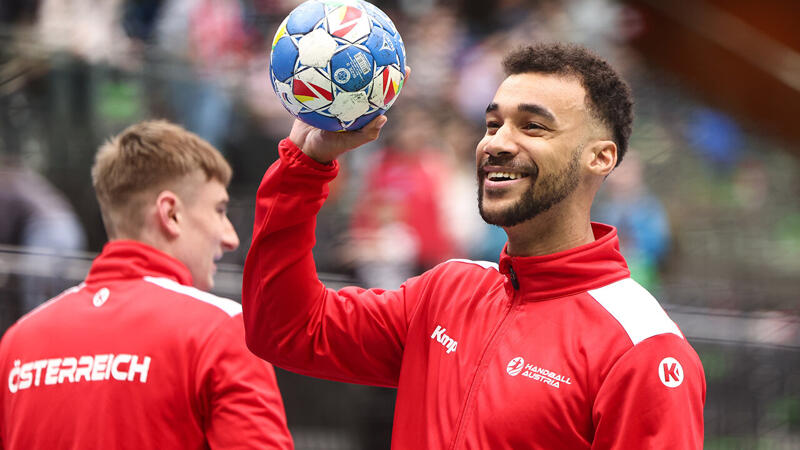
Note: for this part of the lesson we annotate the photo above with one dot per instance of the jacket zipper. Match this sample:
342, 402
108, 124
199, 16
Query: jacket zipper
513, 277
477, 379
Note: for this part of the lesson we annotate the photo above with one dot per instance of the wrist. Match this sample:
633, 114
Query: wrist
322, 159
293, 155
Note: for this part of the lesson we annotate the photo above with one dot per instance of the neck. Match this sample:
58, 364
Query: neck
150, 236
550, 232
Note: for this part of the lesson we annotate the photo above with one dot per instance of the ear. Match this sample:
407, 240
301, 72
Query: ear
167, 213
603, 156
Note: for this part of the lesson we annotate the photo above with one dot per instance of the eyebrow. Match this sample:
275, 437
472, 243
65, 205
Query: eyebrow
532, 108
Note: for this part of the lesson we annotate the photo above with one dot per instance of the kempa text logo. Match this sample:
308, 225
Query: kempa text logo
449, 343
670, 372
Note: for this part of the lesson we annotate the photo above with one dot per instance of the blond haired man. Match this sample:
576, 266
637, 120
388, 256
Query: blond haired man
139, 355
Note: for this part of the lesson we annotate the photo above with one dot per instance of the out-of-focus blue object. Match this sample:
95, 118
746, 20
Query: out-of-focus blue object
715, 136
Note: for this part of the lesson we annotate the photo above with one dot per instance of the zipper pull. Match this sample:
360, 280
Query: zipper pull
513, 276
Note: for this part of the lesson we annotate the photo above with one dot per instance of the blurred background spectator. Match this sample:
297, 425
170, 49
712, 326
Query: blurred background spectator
40, 219
706, 202
640, 218
399, 226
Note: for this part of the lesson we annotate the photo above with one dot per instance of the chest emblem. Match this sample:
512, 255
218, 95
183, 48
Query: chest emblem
534, 372
447, 342
515, 366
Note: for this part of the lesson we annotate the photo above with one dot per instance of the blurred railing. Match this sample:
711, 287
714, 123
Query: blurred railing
774, 329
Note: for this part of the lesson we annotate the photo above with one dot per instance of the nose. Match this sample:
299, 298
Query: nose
230, 240
501, 143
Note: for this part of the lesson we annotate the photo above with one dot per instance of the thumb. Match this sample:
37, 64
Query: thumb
373, 129
367, 134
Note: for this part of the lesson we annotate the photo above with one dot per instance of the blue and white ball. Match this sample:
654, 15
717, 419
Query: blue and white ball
337, 65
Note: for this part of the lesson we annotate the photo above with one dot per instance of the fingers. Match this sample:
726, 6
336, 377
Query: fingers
373, 128
325, 146
368, 133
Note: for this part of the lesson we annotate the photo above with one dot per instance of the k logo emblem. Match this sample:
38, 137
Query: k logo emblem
670, 372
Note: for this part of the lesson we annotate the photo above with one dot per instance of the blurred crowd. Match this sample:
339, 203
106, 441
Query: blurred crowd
707, 208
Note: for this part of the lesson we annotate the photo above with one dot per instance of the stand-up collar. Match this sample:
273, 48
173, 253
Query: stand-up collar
588, 266
122, 260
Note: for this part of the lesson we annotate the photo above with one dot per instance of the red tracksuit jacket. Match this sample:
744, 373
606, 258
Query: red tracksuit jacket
562, 351
135, 358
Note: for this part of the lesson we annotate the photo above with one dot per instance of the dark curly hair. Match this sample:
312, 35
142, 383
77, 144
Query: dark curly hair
610, 98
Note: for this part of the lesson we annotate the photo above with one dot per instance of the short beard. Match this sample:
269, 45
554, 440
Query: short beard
544, 192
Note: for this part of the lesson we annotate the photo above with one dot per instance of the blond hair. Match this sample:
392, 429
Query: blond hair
131, 168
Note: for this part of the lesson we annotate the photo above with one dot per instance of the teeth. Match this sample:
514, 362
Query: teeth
497, 175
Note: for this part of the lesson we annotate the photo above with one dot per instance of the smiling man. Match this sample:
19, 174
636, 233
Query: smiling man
139, 356
554, 347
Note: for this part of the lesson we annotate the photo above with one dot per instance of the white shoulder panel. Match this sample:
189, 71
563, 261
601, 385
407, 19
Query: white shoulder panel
58, 297
635, 309
484, 264
230, 307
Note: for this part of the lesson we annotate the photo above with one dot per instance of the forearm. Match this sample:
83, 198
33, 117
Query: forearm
291, 319
280, 284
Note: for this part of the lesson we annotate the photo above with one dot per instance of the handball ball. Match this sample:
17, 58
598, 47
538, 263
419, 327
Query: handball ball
337, 65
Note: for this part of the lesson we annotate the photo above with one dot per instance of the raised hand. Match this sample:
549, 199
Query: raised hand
325, 146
